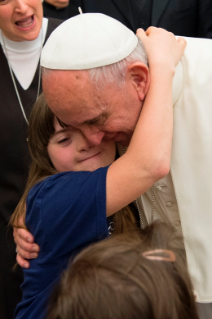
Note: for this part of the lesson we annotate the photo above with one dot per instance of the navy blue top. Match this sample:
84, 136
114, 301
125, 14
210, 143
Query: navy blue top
65, 213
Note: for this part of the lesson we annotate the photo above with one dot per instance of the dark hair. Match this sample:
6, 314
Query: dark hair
113, 279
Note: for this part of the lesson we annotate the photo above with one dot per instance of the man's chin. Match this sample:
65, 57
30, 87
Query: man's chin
123, 143
120, 138
124, 139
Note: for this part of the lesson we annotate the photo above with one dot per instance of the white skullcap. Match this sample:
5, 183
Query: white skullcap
87, 41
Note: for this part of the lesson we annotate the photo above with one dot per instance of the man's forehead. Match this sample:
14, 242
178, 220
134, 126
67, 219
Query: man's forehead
78, 114
72, 103
52, 76
62, 87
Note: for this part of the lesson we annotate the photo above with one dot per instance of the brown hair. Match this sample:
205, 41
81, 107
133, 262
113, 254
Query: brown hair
113, 279
40, 130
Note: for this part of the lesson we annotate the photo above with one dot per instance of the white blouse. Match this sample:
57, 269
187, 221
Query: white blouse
24, 56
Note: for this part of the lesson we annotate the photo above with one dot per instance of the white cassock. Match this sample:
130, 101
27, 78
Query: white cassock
185, 196
191, 164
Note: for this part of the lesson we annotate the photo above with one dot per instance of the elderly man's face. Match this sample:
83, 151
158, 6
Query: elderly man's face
109, 114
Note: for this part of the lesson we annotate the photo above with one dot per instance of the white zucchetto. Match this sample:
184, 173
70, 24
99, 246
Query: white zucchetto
87, 41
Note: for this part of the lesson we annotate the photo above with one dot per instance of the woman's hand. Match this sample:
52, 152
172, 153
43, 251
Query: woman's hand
25, 246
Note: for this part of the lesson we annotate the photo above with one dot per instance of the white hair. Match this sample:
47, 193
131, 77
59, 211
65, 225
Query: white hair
114, 73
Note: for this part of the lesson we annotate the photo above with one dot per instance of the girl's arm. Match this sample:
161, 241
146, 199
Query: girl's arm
148, 156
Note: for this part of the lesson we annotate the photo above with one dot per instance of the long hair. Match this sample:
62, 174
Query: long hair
114, 279
40, 130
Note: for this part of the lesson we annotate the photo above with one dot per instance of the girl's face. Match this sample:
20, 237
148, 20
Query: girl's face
21, 20
69, 150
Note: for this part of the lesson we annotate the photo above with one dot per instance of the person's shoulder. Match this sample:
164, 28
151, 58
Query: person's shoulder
70, 179
79, 176
52, 180
74, 180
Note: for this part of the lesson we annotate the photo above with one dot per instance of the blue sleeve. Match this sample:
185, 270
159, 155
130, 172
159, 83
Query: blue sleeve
68, 211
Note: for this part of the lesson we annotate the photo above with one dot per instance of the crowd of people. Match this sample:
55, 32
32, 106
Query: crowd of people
93, 153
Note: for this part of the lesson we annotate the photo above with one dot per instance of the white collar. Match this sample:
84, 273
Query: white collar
24, 56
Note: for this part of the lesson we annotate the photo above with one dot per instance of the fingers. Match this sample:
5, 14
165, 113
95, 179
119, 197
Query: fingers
182, 42
162, 47
26, 248
152, 29
24, 241
140, 32
22, 262
28, 252
23, 235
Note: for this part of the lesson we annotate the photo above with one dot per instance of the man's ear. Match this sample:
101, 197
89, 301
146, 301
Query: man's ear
140, 79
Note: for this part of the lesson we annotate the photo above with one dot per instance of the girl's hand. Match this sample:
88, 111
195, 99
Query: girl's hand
25, 246
162, 47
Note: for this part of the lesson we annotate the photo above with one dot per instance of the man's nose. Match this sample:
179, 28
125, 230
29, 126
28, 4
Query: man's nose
93, 136
83, 144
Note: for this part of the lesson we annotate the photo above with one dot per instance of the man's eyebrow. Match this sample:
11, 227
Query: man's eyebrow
103, 115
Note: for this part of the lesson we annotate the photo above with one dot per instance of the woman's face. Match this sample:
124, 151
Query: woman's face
21, 20
69, 150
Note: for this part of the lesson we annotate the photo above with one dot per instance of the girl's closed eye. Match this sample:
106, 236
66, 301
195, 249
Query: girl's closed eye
64, 140
2, 2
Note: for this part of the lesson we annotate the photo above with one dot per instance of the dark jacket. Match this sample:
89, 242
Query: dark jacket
50, 11
192, 18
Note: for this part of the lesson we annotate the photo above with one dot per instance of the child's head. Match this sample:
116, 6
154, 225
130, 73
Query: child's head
124, 277
57, 148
